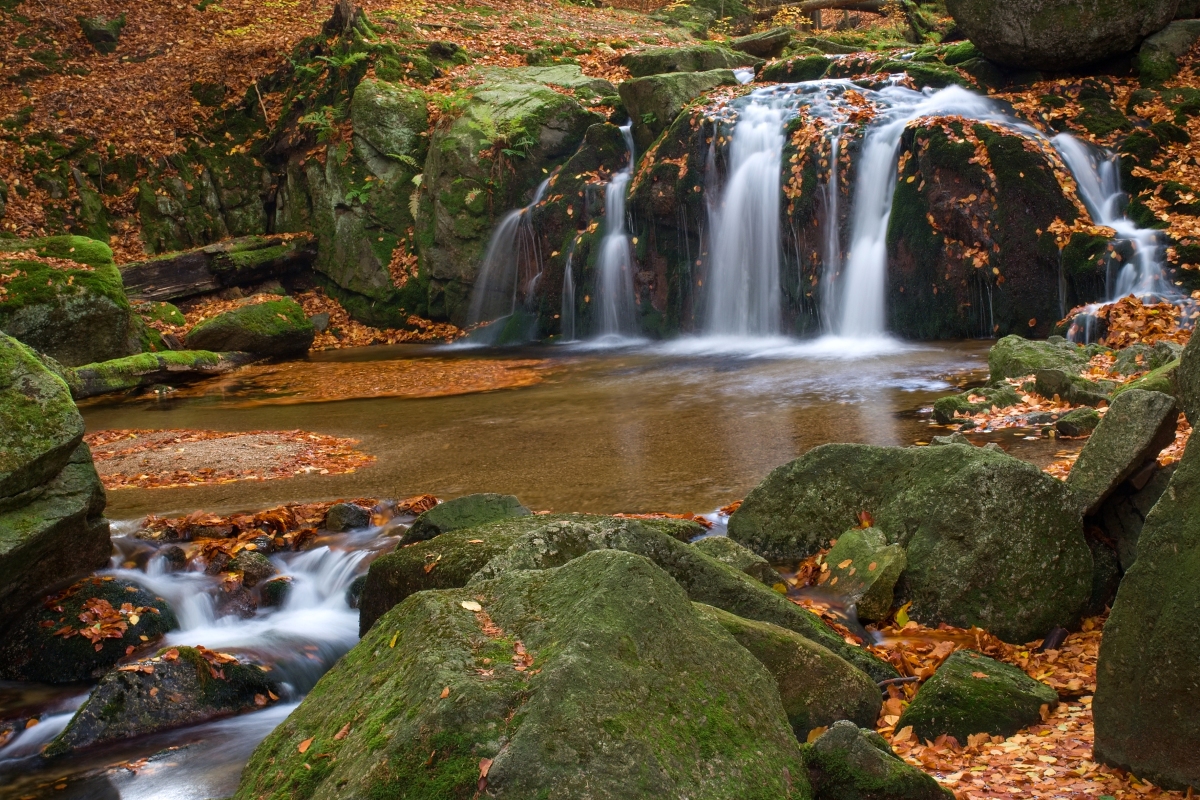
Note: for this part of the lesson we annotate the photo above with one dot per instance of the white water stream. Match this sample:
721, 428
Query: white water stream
512, 254
615, 304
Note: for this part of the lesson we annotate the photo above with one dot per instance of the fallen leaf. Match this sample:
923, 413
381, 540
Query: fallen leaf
471, 605
445, 692
303, 746
337, 737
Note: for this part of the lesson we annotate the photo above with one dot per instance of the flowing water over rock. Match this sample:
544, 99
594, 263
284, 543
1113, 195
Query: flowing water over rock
615, 315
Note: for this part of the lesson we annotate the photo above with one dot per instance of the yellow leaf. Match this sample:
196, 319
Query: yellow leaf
815, 734
134, 619
902, 615
846, 563
471, 605
392, 643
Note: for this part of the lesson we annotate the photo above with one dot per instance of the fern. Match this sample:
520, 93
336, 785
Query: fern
341, 62
471, 195
412, 162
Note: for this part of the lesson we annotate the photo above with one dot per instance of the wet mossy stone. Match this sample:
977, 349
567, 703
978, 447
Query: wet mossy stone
743, 559
971, 693
817, 687
792, 70
274, 593
1058, 34
1145, 701
1075, 389
1158, 57
866, 568
1079, 422
852, 763
174, 688
254, 566
468, 511
1016, 357
393, 120
1137, 426
101, 32
276, 328
150, 369
957, 53
156, 311
1164, 379
626, 691
39, 424
35, 649
764, 44
990, 540
945, 409
935, 76
76, 316
694, 58
655, 101
1188, 378
346, 517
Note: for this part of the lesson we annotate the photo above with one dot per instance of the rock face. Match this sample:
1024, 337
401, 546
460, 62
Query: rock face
974, 556
51, 499
654, 102
595, 679
866, 568
276, 328
1146, 687
696, 58
1058, 34
464, 512
852, 763
1188, 377
743, 559
1138, 425
180, 686
47, 642
817, 688
971, 693
75, 316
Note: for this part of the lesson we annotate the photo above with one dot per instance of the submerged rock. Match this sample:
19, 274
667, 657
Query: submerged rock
1145, 702
743, 559
852, 763
817, 688
47, 643
276, 328
971, 693
864, 570
595, 679
990, 540
694, 58
176, 687
468, 511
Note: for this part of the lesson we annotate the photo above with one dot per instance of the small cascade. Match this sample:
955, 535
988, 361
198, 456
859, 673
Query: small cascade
831, 234
1098, 176
568, 297
511, 264
615, 312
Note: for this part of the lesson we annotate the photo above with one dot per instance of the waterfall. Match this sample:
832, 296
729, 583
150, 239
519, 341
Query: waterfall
831, 234
511, 253
615, 314
568, 297
1098, 177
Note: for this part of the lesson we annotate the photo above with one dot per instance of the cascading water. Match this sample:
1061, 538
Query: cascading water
615, 313
831, 238
513, 258
568, 296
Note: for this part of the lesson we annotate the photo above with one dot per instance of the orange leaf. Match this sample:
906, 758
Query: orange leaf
303, 746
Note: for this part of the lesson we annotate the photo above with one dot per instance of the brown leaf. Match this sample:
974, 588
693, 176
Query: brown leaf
303, 746
337, 737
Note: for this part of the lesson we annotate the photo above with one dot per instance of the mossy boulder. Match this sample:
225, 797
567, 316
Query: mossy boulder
764, 44
178, 686
655, 101
864, 569
985, 398
346, 517
1163, 379
743, 559
694, 58
74, 315
275, 328
801, 68
1074, 389
817, 688
1158, 57
1188, 377
150, 369
1016, 357
971, 693
1080, 422
46, 644
102, 32
468, 511
1138, 425
1146, 690
990, 540
1058, 34
852, 763
254, 567
595, 679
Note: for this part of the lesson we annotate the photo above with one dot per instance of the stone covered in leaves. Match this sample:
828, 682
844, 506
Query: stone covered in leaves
464, 512
274, 328
1146, 690
176, 687
817, 688
852, 763
971, 693
595, 679
866, 569
727, 551
82, 631
990, 540
945, 409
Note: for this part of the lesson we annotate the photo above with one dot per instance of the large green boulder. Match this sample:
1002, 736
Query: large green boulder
1015, 357
1146, 687
743, 559
1075, 389
817, 688
852, 763
864, 570
966, 404
1058, 34
594, 679
70, 304
655, 101
764, 44
48, 644
694, 58
1137, 426
177, 687
468, 511
801, 68
971, 693
275, 328
1188, 377
172, 367
990, 540
1158, 57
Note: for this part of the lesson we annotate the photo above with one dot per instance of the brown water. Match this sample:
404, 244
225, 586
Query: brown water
635, 430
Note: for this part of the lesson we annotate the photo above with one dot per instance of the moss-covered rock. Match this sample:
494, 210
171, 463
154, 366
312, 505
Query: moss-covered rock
468, 511
274, 593
275, 328
852, 763
801, 68
743, 559
1075, 389
595, 679
1158, 57
150, 369
76, 316
345, 517
176, 687
985, 398
990, 540
254, 567
971, 693
1146, 675
764, 44
1079, 422
1188, 378
864, 570
817, 688
655, 101
46, 644
1016, 357
1163, 379
1138, 425
101, 32
694, 58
